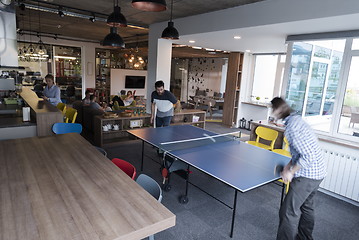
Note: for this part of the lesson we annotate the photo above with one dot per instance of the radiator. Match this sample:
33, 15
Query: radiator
342, 174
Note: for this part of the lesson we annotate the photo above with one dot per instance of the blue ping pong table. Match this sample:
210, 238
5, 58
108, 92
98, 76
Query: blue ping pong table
235, 163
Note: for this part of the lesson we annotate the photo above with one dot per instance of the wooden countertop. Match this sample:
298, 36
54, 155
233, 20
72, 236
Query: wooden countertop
38, 105
265, 123
66, 189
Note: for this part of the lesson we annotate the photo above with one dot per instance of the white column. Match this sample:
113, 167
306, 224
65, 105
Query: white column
8, 41
159, 63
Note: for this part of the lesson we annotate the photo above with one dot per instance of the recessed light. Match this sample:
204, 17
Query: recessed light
209, 49
237, 37
248, 50
196, 47
191, 41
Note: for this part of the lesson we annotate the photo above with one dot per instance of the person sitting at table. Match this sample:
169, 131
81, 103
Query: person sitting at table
51, 92
128, 99
86, 100
94, 104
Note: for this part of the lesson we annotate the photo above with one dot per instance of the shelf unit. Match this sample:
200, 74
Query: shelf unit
105, 137
233, 83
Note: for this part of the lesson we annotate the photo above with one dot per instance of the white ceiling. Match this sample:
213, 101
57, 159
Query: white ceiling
269, 38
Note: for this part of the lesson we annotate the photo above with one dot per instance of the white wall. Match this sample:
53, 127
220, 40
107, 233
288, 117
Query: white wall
118, 81
8, 42
204, 74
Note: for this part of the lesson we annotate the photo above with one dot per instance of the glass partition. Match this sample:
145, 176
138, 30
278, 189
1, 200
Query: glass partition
68, 72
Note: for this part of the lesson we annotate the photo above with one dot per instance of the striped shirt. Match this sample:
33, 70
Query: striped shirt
164, 103
304, 148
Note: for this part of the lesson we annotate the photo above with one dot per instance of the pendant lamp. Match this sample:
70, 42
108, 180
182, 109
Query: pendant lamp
150, 5
116, 19
170, 31
113, 39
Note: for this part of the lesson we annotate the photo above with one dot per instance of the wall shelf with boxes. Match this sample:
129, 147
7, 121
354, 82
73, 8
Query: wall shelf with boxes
109, 130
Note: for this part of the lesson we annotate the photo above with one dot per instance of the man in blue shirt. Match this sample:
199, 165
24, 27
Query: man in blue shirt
51, 92
305, 171
163, 100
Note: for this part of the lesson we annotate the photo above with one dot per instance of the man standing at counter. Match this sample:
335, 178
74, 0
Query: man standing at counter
51, 92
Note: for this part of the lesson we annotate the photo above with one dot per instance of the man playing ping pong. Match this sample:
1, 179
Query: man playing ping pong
305, 171
163, 100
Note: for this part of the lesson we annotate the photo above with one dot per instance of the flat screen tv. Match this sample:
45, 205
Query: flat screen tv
135, 82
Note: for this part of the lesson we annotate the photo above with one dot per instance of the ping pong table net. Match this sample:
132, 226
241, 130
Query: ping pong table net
198, 142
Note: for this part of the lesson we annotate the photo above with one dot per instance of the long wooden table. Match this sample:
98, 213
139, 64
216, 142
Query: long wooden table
61, 187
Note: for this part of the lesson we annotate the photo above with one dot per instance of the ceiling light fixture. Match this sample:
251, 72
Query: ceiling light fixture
196, 47
116, 19
170, 31
150, 5
237, 37
248, 50
191, 41
113, 39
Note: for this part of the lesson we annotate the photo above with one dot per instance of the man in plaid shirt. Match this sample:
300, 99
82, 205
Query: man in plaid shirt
305, 171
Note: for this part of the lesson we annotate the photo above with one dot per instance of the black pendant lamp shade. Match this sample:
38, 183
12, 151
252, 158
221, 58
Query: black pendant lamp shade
113, 39
170, 31
150, 5
116, 19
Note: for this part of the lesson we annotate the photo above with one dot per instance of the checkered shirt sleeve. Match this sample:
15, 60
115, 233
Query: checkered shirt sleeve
304, 148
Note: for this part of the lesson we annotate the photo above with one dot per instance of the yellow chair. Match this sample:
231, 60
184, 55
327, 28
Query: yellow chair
284, 152
266, 134
70, 115
61, 107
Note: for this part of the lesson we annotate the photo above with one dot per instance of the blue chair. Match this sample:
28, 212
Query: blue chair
62, 128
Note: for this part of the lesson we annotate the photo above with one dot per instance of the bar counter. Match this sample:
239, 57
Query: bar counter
44, 113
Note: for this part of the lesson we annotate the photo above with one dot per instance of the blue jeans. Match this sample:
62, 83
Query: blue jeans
163, 121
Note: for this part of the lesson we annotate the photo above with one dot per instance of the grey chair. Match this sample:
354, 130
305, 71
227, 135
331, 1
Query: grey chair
101, 150
152, 187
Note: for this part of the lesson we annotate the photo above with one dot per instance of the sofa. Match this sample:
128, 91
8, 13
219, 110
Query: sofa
85, 116
117, 107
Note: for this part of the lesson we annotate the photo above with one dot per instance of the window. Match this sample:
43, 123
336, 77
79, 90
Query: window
349, 118
267, 69
323, 85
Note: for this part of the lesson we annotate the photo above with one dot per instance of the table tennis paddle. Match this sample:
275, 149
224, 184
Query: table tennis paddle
278, 169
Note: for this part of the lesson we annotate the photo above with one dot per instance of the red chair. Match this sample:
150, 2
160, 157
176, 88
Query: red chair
127, 167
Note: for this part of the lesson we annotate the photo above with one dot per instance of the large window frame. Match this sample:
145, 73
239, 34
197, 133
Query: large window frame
340, 93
